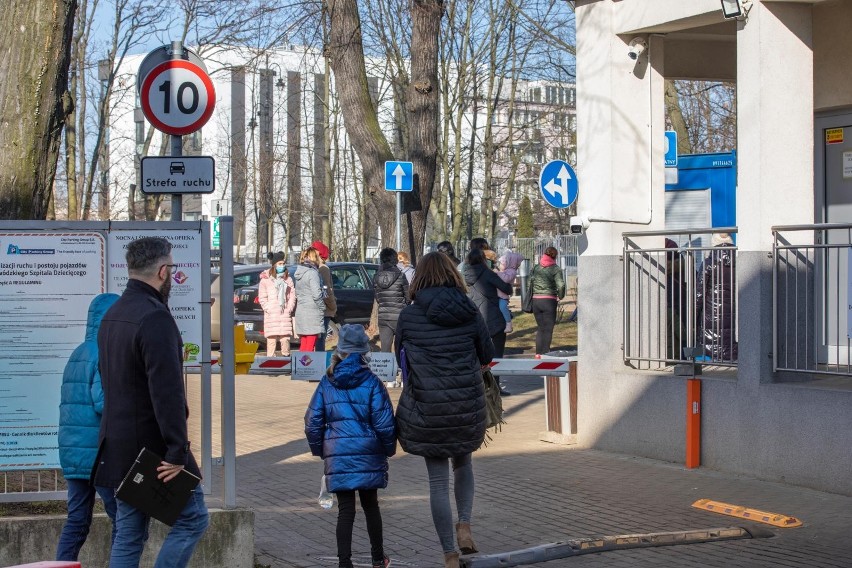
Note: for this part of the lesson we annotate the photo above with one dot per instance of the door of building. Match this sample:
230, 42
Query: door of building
833, 189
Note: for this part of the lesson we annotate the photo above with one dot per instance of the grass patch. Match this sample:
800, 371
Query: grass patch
522, 340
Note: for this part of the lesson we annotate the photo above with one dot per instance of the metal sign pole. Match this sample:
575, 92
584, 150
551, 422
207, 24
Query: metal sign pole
226, 345
177, 145
398, 220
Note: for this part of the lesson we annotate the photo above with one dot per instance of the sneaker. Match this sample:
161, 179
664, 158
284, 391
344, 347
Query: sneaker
384, 563
509, 327
504, 392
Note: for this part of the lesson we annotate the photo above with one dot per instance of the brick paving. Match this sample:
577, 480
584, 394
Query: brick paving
528, 493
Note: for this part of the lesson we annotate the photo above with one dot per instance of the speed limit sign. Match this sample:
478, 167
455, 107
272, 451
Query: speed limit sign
177, 97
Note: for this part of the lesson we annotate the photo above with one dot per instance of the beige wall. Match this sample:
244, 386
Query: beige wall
832, 54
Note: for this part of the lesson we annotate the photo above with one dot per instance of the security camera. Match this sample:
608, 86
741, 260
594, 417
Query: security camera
637, 46
578, 225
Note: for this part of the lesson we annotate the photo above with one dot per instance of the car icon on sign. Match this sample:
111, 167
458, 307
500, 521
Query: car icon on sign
177, 168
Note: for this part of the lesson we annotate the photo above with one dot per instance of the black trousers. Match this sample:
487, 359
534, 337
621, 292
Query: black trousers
346, 520
544, 311
386, 335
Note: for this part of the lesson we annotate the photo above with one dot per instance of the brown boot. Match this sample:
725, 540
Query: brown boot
451, 560
465, 539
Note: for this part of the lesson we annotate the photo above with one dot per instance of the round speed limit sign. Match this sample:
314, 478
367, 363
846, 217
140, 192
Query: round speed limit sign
177, 97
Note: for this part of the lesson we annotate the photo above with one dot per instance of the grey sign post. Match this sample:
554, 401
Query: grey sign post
177, 97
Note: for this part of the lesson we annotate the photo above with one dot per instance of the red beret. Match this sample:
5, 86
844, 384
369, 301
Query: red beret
321, 249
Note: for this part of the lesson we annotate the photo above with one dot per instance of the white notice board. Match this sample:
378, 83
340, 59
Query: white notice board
47, 281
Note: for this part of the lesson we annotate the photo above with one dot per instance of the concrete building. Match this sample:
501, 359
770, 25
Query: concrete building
766, 416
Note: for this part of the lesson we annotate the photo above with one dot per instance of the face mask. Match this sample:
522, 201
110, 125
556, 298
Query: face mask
279, 269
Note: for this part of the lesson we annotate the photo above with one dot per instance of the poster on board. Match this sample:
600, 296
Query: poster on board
47, 281
186, 294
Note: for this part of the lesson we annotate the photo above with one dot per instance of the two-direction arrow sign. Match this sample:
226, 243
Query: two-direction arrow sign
558, 184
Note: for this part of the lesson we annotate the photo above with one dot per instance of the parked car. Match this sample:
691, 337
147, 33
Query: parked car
353, 290
244, 275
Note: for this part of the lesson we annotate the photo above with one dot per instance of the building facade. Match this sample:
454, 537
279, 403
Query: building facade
770, 415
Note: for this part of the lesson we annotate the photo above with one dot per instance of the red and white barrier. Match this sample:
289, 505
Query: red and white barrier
543, 367
500, 367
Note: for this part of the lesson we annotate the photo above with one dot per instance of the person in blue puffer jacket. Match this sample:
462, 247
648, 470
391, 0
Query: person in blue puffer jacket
80, 409
350, 424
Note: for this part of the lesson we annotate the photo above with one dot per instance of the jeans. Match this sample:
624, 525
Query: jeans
322, 336
132, 525
81, 500
439, 495
544, 310
346, 520
504, 309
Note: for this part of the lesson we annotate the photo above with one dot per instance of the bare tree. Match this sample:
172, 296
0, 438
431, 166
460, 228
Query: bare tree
35, 39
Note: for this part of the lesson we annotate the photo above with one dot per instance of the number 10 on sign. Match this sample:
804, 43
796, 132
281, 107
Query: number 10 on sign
177, 97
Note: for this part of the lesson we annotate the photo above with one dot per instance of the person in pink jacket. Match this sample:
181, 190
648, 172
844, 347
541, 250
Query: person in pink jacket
277, 297
507, 270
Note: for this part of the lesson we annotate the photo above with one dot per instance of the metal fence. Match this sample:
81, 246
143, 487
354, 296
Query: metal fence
31, 485
680, 297
811, 298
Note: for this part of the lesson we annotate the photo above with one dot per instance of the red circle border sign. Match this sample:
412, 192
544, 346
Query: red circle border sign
146, 103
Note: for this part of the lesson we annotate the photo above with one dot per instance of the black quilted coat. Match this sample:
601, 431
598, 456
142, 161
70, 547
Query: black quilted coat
441, 411
391, 289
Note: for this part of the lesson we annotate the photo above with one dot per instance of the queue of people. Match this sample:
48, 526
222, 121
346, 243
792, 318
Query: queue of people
123, 392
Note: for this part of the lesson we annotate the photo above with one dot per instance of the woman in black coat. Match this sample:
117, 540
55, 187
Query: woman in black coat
391, 289
483, 283
442, 343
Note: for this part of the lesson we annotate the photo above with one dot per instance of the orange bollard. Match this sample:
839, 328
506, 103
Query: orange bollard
693, 423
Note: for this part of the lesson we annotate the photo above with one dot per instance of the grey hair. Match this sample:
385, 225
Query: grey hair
145, 255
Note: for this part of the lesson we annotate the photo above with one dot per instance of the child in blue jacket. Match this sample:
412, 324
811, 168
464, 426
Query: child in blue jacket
350, 424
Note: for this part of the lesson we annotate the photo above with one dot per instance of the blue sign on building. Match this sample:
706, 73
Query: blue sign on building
558, 184
671, 149
399, 176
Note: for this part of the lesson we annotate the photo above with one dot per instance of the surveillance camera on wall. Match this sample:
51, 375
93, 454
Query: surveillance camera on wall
578, 225
637, 46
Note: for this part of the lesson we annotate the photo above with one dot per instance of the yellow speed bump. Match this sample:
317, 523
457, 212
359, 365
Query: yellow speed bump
774, 519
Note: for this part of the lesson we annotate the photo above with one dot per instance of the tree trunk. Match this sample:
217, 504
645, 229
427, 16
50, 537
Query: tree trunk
346, 56
684, 144
35, 40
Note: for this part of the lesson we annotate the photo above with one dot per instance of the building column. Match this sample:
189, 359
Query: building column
775, 168
620, 168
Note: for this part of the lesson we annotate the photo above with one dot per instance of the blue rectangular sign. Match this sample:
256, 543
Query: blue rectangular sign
399, 176
671, 149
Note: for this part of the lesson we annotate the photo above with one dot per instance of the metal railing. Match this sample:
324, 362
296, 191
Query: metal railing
811, 301
680, 298
18, 486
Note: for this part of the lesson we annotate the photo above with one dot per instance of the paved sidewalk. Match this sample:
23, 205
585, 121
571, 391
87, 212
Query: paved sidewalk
528, 493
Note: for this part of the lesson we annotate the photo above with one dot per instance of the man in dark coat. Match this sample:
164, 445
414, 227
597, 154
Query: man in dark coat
145, 403
391, 289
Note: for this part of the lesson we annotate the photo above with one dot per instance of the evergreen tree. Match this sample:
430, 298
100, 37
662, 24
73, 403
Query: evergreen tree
526, 229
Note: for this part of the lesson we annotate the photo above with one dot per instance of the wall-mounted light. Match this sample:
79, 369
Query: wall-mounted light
735, 8
636, 47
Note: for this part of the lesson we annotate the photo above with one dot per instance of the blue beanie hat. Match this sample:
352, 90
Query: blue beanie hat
353, 339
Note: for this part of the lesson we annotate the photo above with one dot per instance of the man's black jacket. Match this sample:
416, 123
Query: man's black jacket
140, 352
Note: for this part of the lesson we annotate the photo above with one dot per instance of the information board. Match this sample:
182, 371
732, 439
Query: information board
186, 294
47, 281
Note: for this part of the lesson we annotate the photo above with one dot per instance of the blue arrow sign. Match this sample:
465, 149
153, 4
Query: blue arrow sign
399, 176
558, 184
671, 149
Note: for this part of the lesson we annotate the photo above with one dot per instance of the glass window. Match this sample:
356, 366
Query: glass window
347, 278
